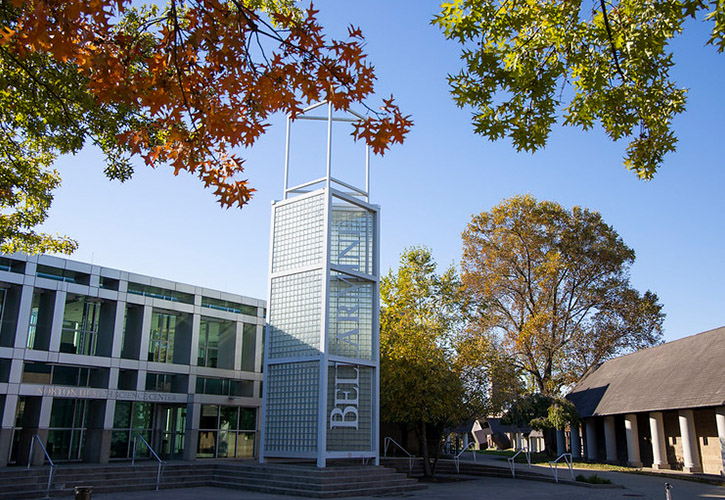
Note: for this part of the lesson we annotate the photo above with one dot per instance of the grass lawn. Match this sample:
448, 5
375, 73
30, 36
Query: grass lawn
541, 459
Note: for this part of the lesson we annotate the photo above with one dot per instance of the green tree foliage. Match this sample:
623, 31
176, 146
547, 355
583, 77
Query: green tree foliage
553, 290
542, 412
607, 62
419, 382
180, 85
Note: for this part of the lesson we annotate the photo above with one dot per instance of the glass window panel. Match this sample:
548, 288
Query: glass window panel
141, 416
247, 419
61, 413
245, 444
228, 417
227, 442
119, 444
208, 419
207, 444
58, 444
66, 375
122, 415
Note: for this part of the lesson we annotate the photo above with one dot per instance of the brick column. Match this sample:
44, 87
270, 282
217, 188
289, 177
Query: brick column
659, 450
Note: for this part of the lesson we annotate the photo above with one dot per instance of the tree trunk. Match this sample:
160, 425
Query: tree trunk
423, 443
550, 442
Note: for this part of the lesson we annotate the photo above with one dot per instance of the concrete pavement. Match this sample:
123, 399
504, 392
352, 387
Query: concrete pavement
635, 487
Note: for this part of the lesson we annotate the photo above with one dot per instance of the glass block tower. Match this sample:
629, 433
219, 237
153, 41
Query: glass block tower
321, 358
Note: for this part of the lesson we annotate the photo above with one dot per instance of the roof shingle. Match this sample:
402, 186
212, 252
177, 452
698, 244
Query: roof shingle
685, 373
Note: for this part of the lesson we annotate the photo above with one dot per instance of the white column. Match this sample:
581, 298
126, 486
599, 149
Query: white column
610, 439
659, 450
689, 441
631, 432
591, 435
576, 443
720, 421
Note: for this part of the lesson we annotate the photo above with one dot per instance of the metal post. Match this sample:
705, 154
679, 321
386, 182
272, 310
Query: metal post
668, 489
367, 173
329, 143
286, 158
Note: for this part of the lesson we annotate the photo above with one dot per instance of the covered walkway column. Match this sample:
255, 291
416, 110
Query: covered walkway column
591, 435
560, 442
720, 421
689, 441
610, 439
659, 450
631, 432
576, 444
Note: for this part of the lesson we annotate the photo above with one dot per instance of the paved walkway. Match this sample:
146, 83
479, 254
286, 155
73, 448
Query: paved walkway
635, 486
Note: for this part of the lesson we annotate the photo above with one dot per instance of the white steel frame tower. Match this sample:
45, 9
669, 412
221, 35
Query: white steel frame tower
321, 358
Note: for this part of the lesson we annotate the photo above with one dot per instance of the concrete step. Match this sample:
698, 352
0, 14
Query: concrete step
302, 480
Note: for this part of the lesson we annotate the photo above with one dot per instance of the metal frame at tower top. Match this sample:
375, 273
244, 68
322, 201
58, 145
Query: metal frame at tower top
328, 180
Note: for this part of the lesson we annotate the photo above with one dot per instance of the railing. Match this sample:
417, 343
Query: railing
387, 442
161, 462
512, 460
51, 473
554, 466
457, 458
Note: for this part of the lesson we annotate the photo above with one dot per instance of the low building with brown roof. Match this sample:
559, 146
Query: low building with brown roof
662, 407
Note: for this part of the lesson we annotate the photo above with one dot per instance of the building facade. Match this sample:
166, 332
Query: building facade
662, 407
91, 357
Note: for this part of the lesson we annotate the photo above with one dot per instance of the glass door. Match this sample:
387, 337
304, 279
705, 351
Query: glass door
172, 427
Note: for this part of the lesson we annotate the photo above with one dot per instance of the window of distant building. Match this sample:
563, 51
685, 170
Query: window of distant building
161, 339
80, 325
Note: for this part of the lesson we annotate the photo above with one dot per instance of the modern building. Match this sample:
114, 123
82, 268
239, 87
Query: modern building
662, 407
91, 357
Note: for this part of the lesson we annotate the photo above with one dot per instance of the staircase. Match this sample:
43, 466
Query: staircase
285, 479
448, 468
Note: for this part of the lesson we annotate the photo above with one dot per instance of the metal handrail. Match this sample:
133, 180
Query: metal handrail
512, 460
51, 473
161, 462
554, 466
386, 443
457, 458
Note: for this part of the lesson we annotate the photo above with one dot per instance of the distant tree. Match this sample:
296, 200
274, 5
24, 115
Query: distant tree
543, 413
553, 290
180, 85
419, 383
527, 63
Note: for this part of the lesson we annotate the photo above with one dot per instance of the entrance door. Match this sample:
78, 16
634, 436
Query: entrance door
172, 420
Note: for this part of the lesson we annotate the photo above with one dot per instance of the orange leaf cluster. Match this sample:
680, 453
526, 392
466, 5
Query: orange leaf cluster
204, 76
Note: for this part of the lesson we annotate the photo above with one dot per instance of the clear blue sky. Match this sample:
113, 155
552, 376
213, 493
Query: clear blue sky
168, 226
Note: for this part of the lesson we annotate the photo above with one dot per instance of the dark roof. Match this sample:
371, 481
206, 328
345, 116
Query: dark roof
685, 373
497, 426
